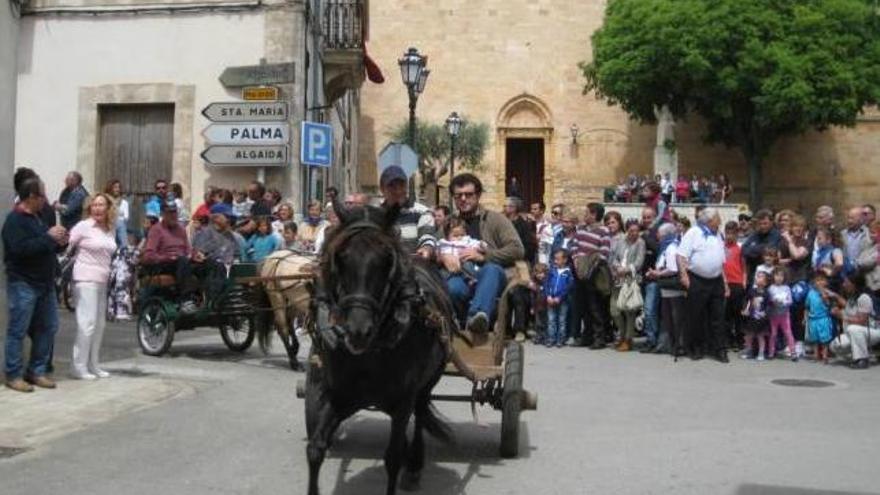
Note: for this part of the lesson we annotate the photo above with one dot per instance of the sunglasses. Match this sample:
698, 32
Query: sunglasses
556, 213
464, 195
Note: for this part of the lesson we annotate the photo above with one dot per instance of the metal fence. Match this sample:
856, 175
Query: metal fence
343, 24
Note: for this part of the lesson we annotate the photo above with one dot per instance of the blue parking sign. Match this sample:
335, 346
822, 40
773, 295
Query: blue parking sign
316, 144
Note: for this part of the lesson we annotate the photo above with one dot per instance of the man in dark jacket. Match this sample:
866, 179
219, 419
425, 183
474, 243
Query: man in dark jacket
70, 203
525, 228
502, 249
29, 254
765, 235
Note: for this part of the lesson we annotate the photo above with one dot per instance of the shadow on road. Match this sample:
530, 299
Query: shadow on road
755, 489
364, 437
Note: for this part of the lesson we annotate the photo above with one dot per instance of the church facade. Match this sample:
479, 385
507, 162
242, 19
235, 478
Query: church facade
513, 64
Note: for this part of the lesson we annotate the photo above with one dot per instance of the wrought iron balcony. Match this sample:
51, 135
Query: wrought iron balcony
343, 24
343, 29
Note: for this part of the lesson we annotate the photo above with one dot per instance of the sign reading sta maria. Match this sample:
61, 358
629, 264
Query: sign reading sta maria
237, 111
253, 133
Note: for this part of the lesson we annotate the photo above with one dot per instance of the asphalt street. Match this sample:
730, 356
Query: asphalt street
204, 421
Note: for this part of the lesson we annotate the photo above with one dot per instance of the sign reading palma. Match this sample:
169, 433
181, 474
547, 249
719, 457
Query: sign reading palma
248, 133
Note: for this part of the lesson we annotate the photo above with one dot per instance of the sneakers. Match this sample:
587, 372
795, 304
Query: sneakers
760, 357
745, 355
99, 373
77, 375
41, 381
19, 385
478, 324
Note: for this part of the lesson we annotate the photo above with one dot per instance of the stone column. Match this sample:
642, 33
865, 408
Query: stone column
666, 151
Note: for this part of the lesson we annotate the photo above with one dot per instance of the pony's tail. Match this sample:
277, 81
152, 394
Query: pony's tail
434, 424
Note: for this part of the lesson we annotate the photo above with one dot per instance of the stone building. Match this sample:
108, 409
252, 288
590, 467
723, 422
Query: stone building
513, 64
115, 88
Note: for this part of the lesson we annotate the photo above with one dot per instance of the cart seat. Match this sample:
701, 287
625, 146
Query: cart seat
160, 280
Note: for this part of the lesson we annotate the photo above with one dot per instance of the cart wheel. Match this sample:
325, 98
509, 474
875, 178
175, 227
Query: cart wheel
155, 329
511, 400
238, 332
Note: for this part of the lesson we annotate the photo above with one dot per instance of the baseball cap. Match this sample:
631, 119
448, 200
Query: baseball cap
392, 174
222, 209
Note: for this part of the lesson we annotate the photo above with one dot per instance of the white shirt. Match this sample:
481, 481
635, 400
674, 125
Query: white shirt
705, 253
667, 260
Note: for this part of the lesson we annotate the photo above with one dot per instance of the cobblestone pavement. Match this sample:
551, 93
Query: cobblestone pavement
205, 420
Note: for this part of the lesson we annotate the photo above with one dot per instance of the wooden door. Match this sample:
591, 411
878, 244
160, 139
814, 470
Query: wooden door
135, 146
525, 161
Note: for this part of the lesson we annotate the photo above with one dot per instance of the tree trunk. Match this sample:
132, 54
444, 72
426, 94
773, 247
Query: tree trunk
756, 183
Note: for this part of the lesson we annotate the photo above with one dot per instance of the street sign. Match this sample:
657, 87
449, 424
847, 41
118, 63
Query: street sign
246, 112
255, 75
401, 155
260, 93
316, 144
248, 133
246, 155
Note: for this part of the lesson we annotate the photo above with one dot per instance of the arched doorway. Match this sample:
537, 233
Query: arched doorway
523, 148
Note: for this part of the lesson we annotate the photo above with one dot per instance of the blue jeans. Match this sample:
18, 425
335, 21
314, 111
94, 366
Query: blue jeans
35, 309
652, 313
556, 323
480, 297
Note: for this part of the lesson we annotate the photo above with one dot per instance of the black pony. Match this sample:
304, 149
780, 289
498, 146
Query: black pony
383, 324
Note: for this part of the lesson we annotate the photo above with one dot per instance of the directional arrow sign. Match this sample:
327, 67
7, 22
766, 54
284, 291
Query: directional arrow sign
248, 133
246, 155
255, 75
246, 112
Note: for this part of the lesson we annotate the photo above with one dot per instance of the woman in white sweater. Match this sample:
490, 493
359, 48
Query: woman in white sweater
93, 242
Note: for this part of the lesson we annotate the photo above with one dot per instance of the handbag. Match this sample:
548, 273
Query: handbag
630, 296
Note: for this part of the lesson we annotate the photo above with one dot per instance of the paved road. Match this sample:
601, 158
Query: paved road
207, 421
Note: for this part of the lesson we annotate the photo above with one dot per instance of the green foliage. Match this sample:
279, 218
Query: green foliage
433, 145
755, 70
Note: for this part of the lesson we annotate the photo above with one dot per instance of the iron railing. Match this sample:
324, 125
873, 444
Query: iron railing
343, 24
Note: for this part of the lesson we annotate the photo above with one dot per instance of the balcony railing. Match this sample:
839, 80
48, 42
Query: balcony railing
343, 24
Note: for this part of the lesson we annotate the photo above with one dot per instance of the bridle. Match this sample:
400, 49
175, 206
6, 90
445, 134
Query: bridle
381, 308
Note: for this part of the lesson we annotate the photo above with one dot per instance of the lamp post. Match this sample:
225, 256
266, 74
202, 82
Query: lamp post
415, 78
453, 127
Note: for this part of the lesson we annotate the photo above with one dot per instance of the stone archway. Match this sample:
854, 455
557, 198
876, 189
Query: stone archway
524, 145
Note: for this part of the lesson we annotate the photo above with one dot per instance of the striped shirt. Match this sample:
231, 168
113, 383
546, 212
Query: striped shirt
592, 239
416, 227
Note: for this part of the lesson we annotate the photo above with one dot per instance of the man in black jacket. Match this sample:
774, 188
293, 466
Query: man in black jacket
766, 235
29, 254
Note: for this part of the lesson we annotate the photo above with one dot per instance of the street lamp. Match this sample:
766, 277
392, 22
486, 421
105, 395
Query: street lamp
415, 77
453, 127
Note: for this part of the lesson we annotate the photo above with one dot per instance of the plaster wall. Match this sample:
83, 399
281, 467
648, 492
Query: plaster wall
67, 65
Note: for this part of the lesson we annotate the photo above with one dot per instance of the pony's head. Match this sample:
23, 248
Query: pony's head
361, 270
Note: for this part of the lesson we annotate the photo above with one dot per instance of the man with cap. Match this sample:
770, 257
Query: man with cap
416, 221
167, 251
218, 243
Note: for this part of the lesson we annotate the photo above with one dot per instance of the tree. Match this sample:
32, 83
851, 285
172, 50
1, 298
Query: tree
433, 146
756, 71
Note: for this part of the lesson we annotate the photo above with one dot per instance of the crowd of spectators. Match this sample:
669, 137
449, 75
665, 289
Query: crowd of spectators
696, 189
767, 286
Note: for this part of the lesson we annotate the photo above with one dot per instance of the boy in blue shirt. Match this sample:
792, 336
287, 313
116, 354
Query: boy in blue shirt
556, 287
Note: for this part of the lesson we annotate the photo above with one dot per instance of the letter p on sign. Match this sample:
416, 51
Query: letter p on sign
316, 144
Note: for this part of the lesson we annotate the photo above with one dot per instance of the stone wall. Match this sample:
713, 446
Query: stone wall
513, 65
